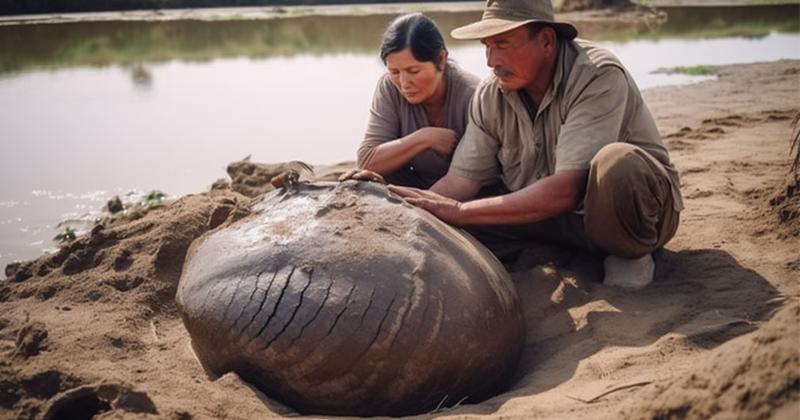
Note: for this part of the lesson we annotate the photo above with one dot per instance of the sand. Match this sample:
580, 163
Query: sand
94, 328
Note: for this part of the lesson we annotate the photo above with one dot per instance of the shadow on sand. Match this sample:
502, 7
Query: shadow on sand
698, 300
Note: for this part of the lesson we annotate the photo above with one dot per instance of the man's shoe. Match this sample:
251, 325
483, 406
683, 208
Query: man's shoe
629, 273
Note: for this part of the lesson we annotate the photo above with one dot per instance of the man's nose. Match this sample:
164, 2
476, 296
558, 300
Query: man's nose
491, 57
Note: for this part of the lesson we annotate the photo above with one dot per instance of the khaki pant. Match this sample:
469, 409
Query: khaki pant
628, 211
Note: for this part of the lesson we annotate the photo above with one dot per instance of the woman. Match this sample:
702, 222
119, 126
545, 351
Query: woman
419, 109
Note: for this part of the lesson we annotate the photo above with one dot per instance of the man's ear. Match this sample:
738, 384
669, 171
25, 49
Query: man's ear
548, 37
442, 60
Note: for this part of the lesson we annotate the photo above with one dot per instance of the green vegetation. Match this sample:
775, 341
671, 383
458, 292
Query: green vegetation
154, 199
15, 7
701, 70
137, 44
65, 237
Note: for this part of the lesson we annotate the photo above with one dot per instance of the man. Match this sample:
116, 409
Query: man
564, 127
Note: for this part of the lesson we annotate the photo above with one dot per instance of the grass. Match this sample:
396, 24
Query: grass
700, 70
154, 198
65, 237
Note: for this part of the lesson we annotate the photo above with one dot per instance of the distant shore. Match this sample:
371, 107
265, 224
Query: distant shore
243, 13
275, 12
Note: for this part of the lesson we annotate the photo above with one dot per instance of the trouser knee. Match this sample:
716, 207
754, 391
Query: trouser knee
628, 205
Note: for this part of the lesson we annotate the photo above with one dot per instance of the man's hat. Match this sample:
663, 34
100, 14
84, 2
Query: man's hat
504, 15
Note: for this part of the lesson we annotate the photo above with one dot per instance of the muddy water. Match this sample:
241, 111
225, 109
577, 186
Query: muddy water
95, 109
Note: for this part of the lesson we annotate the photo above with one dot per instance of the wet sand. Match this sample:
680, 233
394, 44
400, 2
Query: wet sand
95, 327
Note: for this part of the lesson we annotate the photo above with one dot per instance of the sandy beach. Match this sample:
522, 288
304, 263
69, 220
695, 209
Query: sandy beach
94, 328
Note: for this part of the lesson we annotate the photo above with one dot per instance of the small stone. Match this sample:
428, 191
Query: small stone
11, 269
115, 205
23, 273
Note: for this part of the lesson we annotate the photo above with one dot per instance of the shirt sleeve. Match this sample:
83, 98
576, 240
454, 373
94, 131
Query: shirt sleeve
383, 123
593, 121
476, 154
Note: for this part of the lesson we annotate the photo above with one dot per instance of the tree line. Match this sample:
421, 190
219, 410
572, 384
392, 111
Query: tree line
15, 7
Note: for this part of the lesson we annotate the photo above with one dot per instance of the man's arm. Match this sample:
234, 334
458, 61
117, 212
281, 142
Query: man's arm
549, 197
456, 187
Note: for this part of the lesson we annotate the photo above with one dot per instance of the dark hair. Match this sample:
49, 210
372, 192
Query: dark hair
416, 32
534, 28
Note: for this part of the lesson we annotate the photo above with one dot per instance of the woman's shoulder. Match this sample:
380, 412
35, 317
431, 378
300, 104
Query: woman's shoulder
385, 85
386, 92
462, 78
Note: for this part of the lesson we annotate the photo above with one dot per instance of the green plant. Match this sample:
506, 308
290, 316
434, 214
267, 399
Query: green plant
700, 70
65, 237
154, 198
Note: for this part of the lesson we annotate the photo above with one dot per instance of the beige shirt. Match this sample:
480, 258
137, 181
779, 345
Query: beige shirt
592, 102
392, 117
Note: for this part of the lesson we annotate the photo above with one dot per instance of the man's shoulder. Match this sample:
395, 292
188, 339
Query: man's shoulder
489, 89
592, 66
593, 57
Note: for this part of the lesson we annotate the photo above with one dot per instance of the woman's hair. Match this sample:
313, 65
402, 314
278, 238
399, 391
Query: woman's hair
416, 32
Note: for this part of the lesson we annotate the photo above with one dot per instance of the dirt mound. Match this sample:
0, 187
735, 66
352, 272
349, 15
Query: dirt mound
145, 255
126, 268
785, 207
748, 377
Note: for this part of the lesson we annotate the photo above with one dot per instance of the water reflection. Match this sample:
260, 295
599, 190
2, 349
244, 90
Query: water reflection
142, 78
53, 46
116, 106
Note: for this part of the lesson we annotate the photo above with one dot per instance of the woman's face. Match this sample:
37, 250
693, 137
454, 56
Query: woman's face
418, 81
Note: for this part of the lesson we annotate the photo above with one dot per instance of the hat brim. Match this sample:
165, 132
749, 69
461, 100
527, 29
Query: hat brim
490, 27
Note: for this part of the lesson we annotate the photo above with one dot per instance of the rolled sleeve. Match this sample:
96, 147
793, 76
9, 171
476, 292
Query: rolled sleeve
593, 121
476, 154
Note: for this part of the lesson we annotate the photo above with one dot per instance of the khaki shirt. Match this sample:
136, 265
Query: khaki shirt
392, 117
592, 102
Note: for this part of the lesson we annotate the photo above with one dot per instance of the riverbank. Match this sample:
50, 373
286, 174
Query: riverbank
244, 13
94, 327
278, 12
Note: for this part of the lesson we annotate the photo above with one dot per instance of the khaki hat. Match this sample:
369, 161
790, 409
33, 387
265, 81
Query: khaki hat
504, 15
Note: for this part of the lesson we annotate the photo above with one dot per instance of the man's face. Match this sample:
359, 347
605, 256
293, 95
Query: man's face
515, 57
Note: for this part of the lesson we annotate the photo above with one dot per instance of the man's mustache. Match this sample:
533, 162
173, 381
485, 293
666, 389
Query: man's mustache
501, 71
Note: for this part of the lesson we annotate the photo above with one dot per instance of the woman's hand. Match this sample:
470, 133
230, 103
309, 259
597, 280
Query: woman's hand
362, 175
441, 140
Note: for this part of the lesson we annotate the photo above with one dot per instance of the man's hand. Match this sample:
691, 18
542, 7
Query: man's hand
444, 208
362, 175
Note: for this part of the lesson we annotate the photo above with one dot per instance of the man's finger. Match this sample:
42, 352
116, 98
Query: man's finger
404, 192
